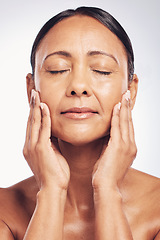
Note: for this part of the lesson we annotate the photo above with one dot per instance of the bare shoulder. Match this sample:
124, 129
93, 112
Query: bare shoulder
141, 180
141, 193
140, 185
17, 204
18, 195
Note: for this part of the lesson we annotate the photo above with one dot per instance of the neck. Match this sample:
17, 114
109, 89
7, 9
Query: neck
81, 160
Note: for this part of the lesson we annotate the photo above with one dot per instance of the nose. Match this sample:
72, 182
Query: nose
79, 85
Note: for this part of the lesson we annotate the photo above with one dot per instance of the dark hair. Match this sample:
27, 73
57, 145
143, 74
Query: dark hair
102, 16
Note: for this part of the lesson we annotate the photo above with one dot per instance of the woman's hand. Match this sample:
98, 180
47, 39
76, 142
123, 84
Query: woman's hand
43, 156
120, 152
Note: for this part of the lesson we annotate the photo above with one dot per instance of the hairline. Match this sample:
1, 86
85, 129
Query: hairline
82, 14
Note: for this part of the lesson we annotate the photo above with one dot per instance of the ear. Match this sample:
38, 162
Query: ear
30, 85
133, 87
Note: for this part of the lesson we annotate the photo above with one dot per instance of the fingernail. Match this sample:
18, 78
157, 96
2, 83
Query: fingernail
119, 106
127, 95
33, 95
41, 105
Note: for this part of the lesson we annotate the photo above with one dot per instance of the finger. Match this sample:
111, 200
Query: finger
35, 123
124, 117
131, 127
30, 117
45, 132
115, 123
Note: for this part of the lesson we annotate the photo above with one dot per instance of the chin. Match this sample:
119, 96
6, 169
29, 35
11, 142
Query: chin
80, 138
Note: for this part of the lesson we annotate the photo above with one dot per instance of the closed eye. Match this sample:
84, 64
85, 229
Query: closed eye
58, 72
102, 72
65, 70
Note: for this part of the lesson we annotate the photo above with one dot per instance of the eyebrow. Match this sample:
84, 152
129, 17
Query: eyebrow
60, 53
90, 53
93, 53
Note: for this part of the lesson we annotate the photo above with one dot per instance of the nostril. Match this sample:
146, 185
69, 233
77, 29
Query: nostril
73, 93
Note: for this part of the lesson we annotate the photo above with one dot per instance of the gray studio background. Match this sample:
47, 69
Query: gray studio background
19, 23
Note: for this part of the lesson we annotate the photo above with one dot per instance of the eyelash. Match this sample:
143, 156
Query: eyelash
102, 72
96, 71
58, 72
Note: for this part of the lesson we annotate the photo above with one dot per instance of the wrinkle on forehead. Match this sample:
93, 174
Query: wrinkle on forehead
79, 35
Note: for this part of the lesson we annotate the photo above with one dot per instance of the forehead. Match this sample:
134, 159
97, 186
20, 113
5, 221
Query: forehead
78, 35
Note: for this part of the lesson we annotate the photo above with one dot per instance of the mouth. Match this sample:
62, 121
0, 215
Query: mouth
79, 113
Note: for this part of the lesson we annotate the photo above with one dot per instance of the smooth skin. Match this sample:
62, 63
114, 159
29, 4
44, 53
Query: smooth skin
83, 186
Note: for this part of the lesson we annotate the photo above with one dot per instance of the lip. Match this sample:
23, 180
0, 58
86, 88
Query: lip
79, 113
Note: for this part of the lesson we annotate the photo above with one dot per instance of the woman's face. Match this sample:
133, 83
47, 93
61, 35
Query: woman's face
81, 73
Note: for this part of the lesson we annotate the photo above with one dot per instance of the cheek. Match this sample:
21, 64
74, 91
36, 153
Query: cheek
109, 94
52, 100
50, 95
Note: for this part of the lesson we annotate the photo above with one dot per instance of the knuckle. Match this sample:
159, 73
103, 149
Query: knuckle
39, 148
131, 150
33, 120
25, 152
126, 148
28, 150
134, 150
